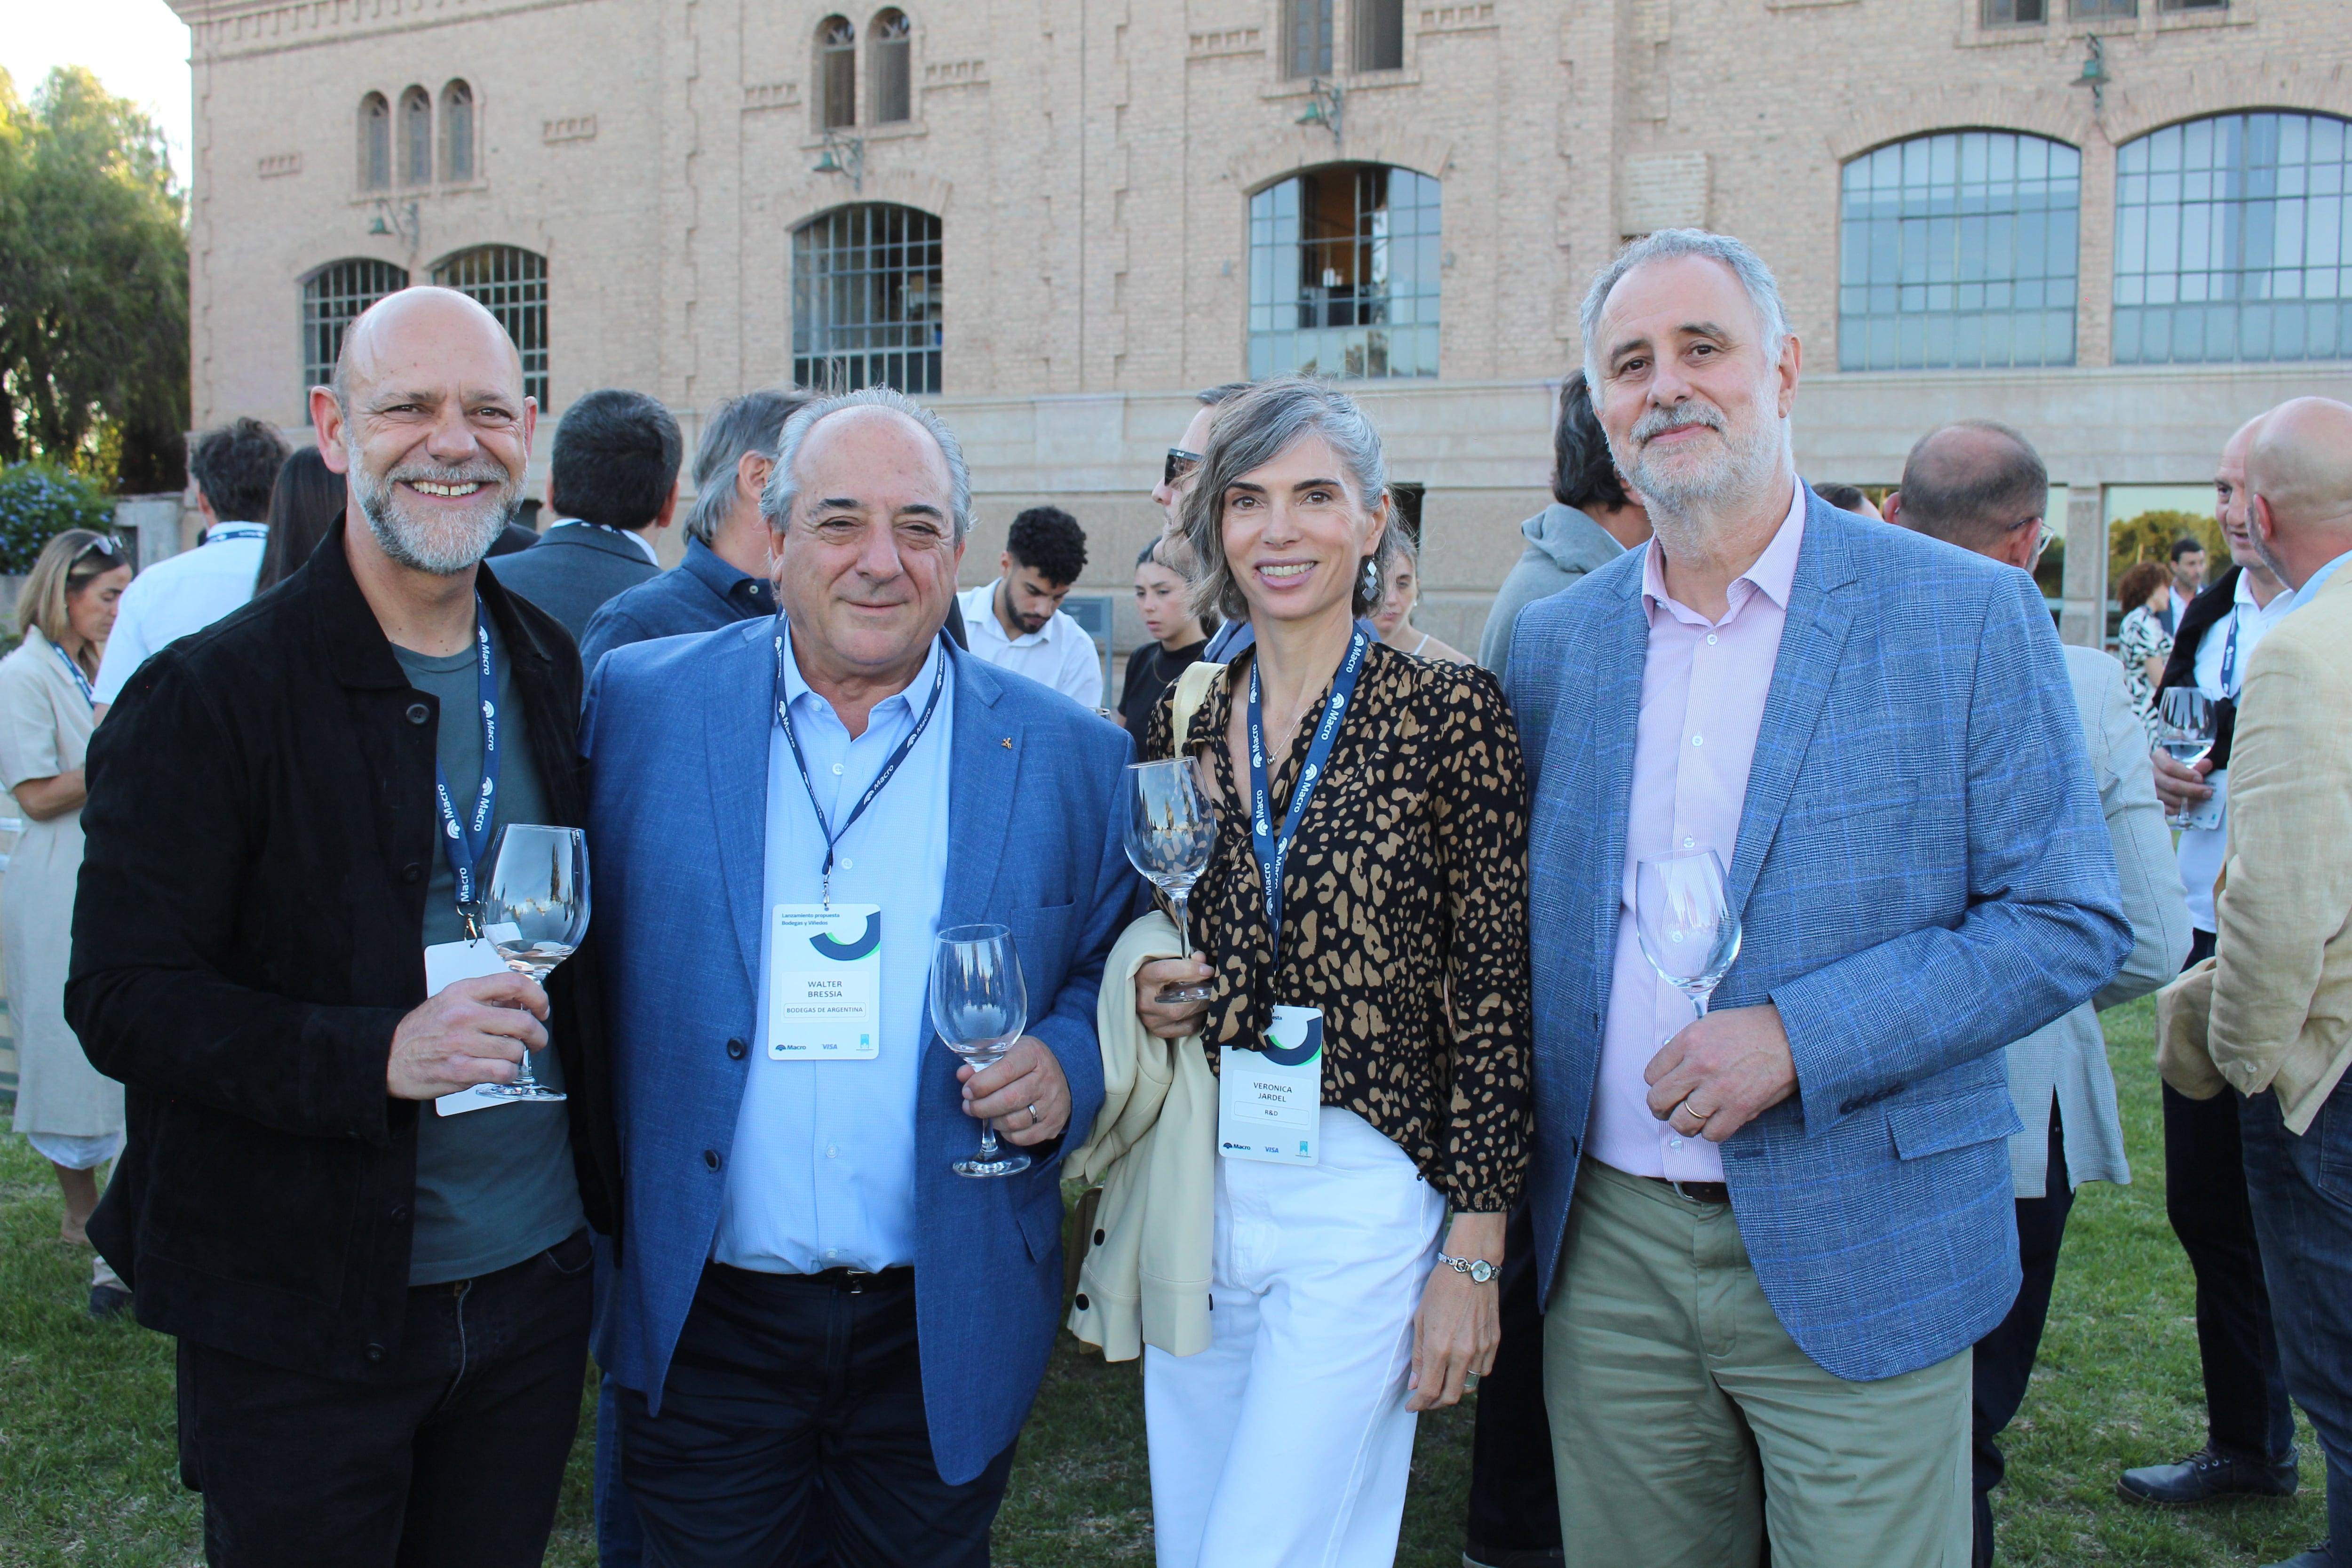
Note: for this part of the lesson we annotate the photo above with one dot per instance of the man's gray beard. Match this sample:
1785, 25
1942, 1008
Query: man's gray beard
443, 550
1695, 496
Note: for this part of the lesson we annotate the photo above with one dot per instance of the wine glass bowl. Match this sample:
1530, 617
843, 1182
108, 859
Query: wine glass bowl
1172, 830
980, 1004
1683, 916
2185, 731
535, 912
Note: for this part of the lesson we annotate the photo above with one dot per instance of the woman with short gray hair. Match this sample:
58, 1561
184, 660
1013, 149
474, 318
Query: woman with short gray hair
1391, 931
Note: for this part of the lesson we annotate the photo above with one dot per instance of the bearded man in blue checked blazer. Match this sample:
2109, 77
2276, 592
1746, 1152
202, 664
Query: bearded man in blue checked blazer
1768, 1238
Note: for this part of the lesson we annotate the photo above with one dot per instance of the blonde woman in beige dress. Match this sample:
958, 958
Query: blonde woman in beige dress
71, 1115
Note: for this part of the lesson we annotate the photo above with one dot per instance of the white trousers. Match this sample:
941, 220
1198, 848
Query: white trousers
1287, 1444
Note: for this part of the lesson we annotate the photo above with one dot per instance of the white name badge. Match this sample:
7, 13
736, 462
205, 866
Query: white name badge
824, 985
1270, 1103
447, 962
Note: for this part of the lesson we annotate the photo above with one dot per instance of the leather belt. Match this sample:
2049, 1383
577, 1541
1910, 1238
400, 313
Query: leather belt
1697, 1192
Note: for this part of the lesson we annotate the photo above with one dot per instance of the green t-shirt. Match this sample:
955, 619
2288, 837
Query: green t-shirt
495, 1185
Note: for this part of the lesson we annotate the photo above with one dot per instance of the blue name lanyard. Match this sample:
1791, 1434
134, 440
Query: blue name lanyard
221, 534
1274, 853
834, 836
469, 840
2230, 660
89, 695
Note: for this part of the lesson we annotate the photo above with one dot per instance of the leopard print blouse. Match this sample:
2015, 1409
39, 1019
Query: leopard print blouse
1407, 885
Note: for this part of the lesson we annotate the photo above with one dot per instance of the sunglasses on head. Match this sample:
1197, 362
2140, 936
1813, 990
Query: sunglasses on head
101, 545
1180, 466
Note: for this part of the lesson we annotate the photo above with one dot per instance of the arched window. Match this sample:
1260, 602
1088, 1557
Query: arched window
837, 73
511, 284
890, 50
2231, 241
415, 137
375, 143
865, 300
457, 132
1343, 273
1959, 250
1306, 43
1379, 34
331, 297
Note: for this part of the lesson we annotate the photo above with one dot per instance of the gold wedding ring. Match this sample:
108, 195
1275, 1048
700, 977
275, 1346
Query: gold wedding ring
1695, 1114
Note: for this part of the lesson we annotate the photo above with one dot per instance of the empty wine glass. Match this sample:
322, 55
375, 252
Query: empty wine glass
2184, 728
1170, 830
535, 912
980, 1004
1685, 919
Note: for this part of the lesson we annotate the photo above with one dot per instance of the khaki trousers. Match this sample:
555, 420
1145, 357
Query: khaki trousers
1684, 1421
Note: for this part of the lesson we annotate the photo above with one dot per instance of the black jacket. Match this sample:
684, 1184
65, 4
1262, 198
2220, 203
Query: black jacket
250, 931
573, 570
2181, 669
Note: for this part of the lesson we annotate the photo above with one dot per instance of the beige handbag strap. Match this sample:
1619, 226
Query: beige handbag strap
1191, 687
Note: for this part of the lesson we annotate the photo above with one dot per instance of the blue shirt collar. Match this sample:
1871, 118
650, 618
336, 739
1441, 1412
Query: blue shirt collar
2318, 580
897, 707
721, 578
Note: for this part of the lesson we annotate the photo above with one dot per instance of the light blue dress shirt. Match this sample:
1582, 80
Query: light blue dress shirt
822, 1173
2316, 581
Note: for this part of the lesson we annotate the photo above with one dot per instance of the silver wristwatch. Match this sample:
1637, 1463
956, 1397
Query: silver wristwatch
1477, 1268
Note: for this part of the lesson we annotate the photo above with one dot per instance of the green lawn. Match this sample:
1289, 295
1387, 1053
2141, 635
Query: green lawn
87, 1470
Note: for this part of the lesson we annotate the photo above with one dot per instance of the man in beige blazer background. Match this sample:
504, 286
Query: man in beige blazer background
2268, 1017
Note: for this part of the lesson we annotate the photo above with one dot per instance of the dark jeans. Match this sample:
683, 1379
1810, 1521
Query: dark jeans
794, 1405
2246, 1408
1514, 1502
454, 1462
2004, 1358
2301, 1189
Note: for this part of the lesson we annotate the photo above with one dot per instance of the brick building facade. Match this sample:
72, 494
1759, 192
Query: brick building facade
1058, 216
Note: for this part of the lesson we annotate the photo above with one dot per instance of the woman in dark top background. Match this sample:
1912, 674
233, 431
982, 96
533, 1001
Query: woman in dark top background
303, 504
1402, 927
1178, 636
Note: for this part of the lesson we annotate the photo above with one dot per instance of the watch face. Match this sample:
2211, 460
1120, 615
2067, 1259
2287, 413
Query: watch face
1481, 1271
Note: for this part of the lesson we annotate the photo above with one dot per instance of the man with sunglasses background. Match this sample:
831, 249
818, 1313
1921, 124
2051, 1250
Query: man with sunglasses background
1982, 487
234, 468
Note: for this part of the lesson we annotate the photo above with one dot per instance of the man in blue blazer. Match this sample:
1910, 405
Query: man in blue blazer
1768, 1237
823, 1337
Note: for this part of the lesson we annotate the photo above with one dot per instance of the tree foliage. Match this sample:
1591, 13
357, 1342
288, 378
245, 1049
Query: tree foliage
39, 502
93, 287
2149, 536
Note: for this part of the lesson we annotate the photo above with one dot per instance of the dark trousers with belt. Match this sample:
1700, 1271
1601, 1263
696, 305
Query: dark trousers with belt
791, 1425
2004, 1358
453, 1462
1514, 1502
2246, 1408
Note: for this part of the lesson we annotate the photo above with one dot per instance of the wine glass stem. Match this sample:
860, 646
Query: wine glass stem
1700, 1000
987, 1140
524, 1076
1181, 898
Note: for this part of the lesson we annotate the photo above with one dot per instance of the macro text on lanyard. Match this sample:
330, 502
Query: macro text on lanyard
833, 837
1272, 852
468, 841
222, 533
89, 694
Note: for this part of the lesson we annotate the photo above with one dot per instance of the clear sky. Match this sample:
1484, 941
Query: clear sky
138, 48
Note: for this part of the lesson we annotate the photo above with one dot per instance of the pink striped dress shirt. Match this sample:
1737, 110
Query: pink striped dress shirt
1703, 691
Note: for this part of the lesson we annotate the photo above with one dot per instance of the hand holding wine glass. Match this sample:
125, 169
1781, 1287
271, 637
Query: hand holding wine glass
2184, 731
535, 911
980, 1004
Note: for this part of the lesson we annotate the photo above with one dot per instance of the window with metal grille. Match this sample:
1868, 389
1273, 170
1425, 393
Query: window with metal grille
865, 300
1344, 273
415, 137
891, 45
457, 132
2100, 10
1959, 250
1308, 26
2231, 241
331, 298
836, 73
376, 142
511, 284
2005, 12
1379, 34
